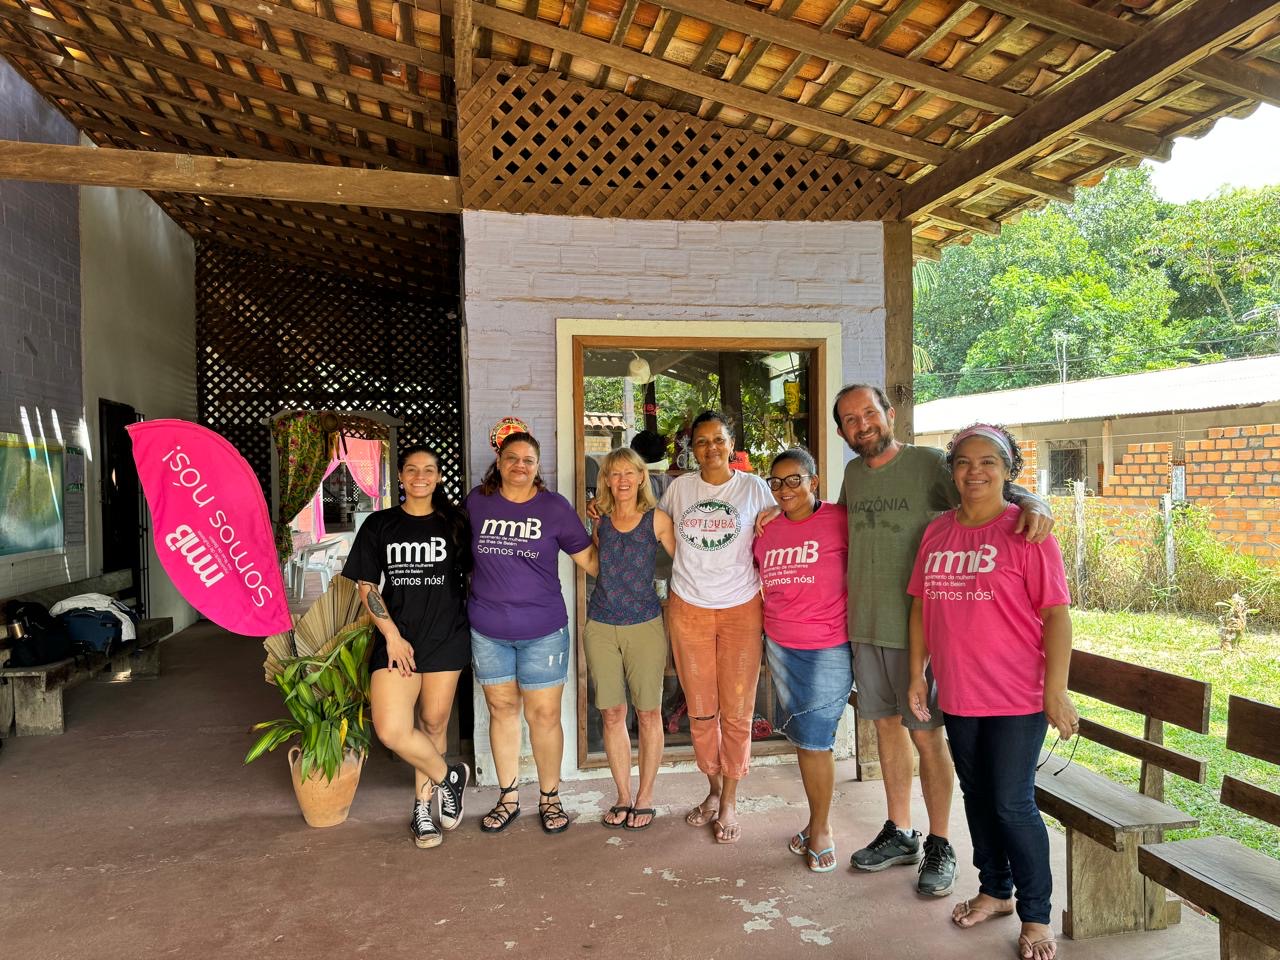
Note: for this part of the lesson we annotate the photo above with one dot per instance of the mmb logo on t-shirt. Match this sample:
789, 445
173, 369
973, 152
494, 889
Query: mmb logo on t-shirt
710, 525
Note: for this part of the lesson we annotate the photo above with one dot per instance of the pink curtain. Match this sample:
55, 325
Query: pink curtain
363, 459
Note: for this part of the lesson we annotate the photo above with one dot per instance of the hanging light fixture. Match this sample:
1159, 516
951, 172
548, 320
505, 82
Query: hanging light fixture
638, 369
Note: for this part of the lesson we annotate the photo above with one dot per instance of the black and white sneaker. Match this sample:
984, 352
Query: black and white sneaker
425, 833
451, 789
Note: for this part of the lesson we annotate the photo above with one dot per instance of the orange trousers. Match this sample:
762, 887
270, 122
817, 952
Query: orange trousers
717, 654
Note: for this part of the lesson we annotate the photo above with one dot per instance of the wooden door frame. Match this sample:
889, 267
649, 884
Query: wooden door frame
574, 336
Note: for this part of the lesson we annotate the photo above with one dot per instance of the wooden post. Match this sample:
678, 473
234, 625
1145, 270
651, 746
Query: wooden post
1161, 908
731, 394
463, 45
899, 334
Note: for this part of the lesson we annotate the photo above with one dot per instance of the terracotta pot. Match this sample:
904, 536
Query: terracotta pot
326, 803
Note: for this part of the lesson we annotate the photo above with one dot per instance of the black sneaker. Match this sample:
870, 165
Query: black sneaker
451, 789
421, 826
938, 868
890, 847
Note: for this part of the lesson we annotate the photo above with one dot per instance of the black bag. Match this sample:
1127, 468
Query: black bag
35, 651
92, 631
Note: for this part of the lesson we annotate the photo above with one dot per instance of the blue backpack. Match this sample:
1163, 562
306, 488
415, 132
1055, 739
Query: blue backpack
92, 631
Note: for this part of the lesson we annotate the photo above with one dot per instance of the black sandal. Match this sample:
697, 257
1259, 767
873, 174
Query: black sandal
503, 811
548, 810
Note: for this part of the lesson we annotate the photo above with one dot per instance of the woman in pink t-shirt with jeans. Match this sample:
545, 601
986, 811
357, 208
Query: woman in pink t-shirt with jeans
990, 613
802, 560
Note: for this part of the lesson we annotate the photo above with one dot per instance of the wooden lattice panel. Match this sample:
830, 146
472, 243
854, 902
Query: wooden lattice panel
534, 142
272, 336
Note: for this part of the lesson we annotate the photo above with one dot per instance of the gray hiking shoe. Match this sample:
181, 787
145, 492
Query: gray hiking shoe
889, 848
938, 868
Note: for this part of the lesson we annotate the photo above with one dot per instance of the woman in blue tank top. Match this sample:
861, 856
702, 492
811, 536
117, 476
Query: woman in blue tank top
625, 641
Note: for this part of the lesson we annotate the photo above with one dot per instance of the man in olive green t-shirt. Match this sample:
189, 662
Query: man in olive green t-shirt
892, 491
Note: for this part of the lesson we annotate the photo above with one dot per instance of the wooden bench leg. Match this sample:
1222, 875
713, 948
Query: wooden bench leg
1159, 910
6, 707
1106, 894
35, 709
1235, 945
145, 663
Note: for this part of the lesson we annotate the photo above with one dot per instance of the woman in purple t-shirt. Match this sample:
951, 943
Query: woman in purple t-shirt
519, 625
802, 558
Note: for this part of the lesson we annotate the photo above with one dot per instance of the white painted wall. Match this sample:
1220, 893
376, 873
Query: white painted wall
138, 336
523, 275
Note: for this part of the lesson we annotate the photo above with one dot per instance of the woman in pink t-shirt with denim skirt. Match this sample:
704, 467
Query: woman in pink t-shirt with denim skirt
802, 560
990, 614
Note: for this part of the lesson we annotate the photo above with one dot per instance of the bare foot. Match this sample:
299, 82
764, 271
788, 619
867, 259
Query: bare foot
704, 812
1036, 942
637, 820
978, 909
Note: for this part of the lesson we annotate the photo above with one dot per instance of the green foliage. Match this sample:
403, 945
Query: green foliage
1133, 282
1189, 647
1124, 563
327, 696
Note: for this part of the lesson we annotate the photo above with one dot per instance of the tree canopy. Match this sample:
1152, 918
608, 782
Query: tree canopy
1118, 282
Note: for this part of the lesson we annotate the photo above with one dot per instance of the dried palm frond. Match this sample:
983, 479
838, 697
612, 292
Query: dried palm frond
333, 610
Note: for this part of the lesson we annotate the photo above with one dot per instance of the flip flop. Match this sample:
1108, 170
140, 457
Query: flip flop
815, 860
984, 913
1025, 943
650, 812
722, 830
700, 816
801, 848
614, 811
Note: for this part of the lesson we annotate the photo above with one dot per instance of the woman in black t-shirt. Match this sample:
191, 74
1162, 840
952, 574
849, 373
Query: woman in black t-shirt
410, 562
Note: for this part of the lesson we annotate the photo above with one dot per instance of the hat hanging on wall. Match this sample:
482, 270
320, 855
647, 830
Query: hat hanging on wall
504, 428
638, 369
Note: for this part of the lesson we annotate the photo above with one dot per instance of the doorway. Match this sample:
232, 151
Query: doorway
124, 528
774, 388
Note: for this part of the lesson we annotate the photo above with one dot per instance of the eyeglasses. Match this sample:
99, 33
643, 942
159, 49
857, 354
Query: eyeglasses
1074, 741
792, 481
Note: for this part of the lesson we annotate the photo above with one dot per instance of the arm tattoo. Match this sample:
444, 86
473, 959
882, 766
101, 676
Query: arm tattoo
377, 606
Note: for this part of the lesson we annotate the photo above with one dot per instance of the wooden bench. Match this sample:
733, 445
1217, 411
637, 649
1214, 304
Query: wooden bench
31, 697
1239, 886
1105, 821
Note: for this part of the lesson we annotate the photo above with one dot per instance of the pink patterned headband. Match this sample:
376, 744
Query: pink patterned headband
987, 431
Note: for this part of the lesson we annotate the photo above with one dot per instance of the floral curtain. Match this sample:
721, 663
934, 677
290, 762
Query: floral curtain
304, 456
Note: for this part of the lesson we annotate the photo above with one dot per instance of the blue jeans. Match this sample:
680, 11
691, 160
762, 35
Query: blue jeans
995, 761
533, 664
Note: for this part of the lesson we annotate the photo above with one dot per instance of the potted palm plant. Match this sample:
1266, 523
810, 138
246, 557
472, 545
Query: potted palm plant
325, 686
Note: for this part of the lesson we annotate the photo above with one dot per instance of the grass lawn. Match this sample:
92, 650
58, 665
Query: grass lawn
1189, 647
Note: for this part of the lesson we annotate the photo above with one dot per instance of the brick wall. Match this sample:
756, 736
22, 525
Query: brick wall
1233, 471
39, 314
1029, 478
522, 273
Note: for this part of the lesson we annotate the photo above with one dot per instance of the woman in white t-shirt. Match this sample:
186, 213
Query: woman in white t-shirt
714, 615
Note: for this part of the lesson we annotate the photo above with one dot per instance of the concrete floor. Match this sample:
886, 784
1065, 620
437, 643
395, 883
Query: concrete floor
139, 833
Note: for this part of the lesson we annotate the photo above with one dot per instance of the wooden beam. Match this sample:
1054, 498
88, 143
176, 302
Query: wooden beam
1157, 55
751, 101
180, 67
286, 17
1106, 32
955, 217
899, 327
126, 83
183, 173
463, 47
678, 78
920, 76
290, 66
923, 251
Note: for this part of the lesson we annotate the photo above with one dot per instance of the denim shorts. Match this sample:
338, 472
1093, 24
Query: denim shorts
813, 688
533, 664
